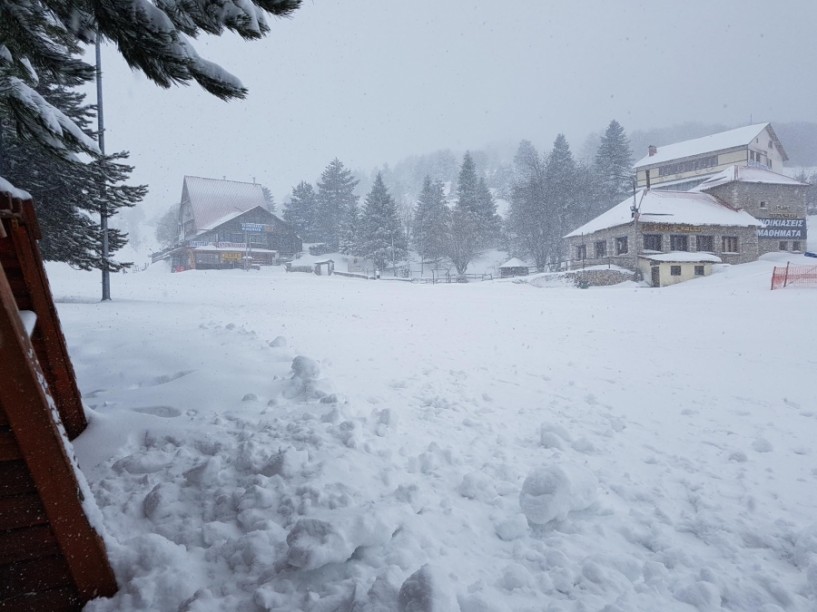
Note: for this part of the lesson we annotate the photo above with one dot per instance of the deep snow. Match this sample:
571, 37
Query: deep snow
272, 441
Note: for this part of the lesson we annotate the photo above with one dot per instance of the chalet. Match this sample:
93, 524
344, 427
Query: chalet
225, 224
661, 222
684, 165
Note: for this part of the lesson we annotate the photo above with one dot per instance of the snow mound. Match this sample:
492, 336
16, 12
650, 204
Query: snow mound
551, 493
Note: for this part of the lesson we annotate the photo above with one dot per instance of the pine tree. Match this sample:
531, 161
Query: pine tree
43, 37
336, 196
381, 238
431, 219
301, 212
66, 190
613, 168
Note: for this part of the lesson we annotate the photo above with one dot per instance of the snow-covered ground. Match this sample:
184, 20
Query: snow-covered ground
272, 441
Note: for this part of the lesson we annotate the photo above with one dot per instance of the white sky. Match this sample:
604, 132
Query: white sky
372, 81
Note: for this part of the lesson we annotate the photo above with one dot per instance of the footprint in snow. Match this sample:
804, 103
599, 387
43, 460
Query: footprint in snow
164, 379
166, 412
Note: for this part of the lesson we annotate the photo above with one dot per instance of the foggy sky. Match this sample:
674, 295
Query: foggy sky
372, 81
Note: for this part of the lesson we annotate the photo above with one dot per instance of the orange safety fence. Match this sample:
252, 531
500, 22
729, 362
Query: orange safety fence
802, 276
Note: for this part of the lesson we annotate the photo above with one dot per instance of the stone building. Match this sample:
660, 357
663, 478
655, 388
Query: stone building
778, 201
663, 221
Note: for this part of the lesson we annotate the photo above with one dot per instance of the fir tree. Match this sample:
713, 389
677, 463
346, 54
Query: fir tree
474, 196
613, 168
349, 231
431, 219
381, 238
336, 196
43, 37
561, 194
68, 194
301, 212
269, 200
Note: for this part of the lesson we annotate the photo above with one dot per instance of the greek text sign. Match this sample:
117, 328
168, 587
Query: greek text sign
783, 228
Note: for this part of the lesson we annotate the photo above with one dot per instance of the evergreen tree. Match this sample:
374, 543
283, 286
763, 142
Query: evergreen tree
43, 37
561, 195
336, 196
613, 168
467, 224
69, 194
381, 238
474, 196
301, 212
167, 227
431, 219
349, 230
269, 200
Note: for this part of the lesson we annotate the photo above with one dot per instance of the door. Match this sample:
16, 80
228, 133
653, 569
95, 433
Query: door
656, 276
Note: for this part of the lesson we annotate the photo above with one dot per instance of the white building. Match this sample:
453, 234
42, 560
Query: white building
684, 165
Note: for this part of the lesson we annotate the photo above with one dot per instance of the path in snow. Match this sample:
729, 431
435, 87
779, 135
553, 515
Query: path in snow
496, 445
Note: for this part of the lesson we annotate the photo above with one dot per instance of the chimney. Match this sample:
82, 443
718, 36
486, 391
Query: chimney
652, 150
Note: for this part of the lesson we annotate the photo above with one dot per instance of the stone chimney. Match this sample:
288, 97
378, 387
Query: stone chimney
652, 150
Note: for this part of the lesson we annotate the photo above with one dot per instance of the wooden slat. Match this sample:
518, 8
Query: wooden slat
9, 451
39, 575
30, 543
15, 479
57, 600
25, 401
22, 511
48, 339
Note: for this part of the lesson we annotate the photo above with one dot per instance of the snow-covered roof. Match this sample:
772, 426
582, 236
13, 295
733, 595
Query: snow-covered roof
669, 207
683, 257
746, 174
739, 137
213, 200
514, 262
14, 192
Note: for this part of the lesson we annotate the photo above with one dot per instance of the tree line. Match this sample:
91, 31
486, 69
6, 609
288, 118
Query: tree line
550, 194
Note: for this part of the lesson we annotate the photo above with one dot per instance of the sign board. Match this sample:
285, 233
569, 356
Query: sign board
253, 227
794, 229
231, 256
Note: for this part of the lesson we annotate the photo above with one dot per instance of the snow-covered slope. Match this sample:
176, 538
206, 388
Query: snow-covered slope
272, 441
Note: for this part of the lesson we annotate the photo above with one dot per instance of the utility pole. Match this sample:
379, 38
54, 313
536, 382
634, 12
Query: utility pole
103, 212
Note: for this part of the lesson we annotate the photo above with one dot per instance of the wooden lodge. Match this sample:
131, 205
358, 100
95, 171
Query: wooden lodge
225, 224
51, 557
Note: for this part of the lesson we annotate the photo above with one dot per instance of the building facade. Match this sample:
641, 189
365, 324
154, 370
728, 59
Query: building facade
225, 224
684, 165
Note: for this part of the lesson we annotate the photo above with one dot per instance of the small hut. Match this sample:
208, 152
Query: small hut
513, 267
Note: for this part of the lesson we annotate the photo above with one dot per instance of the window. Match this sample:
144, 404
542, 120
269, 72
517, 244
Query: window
763, 203
783, 246
729, 244
653, 242
621, 245
678, 242
257, 238
795, 246
581, 251
706, 243
601, 248
699, 270
675, 270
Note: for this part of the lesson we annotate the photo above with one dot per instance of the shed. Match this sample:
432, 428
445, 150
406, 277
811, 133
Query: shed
664, 269
513, 267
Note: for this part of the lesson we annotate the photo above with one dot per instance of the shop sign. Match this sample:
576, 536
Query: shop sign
793, 229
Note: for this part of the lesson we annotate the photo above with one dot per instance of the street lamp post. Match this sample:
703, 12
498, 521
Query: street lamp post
103, 211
